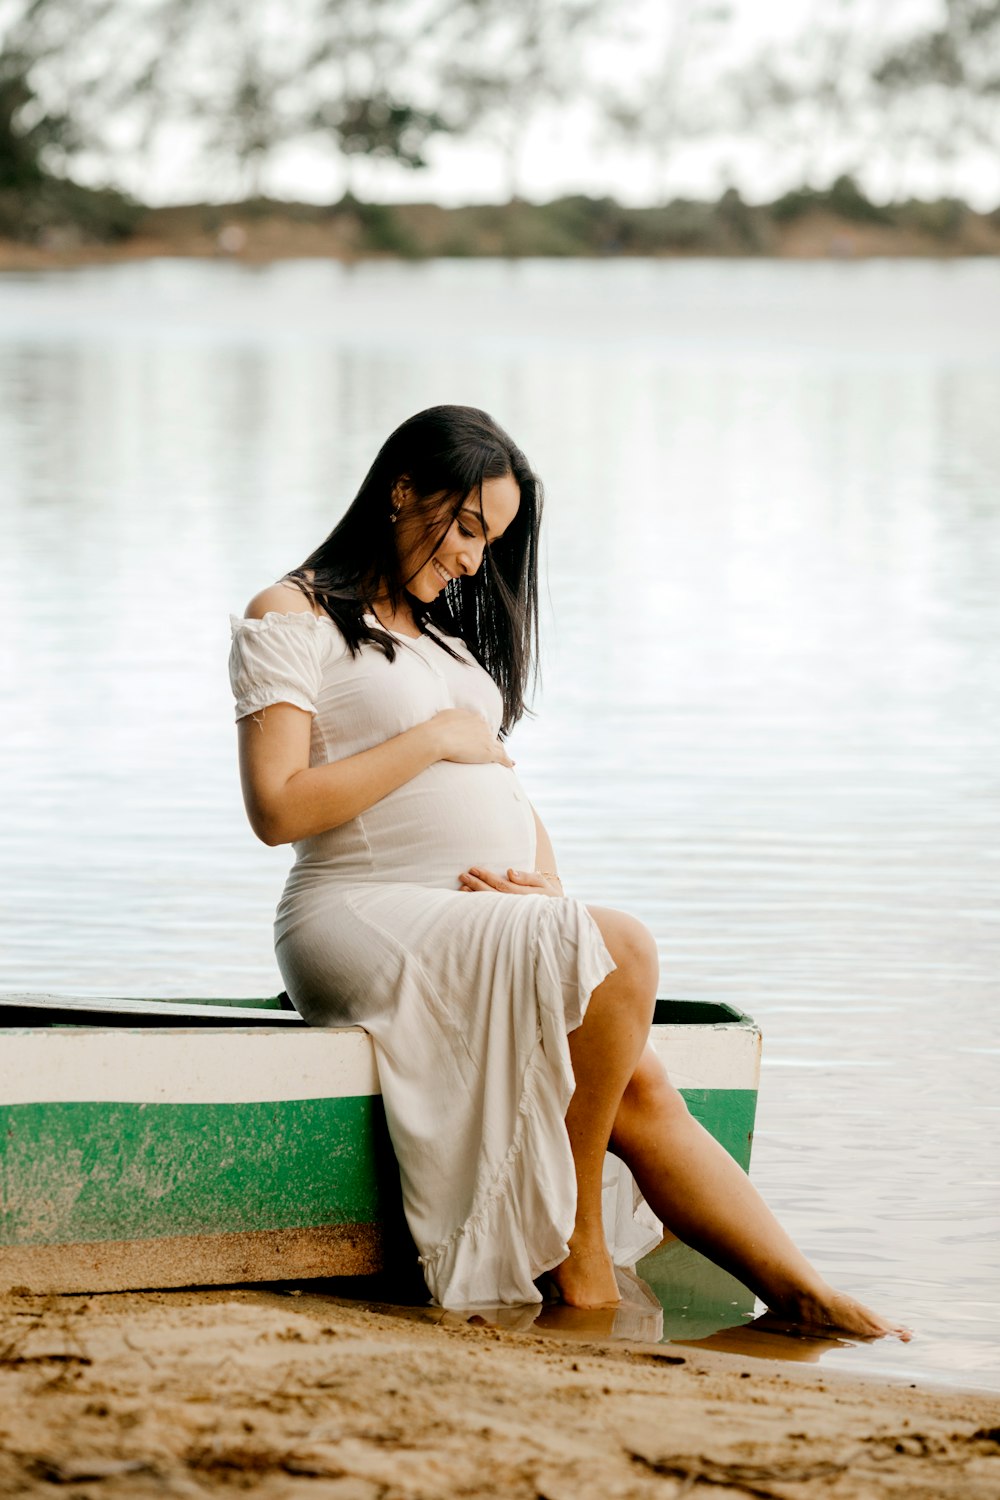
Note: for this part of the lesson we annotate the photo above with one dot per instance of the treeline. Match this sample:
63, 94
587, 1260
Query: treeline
92, 89
839, 221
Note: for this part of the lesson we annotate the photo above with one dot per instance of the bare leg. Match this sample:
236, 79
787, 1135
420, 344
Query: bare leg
605, 1050
705, 1198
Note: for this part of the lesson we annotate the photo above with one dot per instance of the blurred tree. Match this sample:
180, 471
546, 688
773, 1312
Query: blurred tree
246, 118
46, 125
508, 60
941, 86
255, 77
380, 130
669, 104
843, 101
812, 100
210, 79
371, 78
28, 132
227, 85
42, 120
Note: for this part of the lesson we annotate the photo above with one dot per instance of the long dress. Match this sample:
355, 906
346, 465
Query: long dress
468, 998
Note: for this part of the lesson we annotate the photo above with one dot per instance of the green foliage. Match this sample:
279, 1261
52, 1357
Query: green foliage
847, 201
684, 224
596, 223
693, 226
942, 84
942, 220
27, 129
580, 225
52, 206
379, 127
380, 80
794, 205
34, 201
382, 230
744, 226
844, 200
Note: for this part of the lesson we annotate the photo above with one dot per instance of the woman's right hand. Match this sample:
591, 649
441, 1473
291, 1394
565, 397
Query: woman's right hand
463, 735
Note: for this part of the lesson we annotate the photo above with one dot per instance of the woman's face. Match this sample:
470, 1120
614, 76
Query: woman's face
460, 551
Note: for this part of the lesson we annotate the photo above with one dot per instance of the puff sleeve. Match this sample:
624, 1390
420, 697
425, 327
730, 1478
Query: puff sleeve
277, 659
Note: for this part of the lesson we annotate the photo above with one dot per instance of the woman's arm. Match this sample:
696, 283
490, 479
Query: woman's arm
287, 799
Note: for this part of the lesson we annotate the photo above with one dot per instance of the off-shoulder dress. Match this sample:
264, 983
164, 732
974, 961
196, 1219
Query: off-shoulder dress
468, 997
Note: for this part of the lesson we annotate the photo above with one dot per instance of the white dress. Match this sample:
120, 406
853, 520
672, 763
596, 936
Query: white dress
468, 997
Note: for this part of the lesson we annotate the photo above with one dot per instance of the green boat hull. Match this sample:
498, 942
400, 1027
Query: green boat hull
185, 1143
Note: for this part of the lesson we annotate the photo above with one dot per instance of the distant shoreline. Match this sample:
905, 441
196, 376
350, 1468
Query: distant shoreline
837, 224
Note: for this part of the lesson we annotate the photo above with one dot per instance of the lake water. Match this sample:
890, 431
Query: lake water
770, 717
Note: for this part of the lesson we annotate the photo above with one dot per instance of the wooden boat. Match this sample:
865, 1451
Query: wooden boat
149, 1143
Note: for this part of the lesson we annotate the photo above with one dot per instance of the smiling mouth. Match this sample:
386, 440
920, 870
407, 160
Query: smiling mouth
441, 572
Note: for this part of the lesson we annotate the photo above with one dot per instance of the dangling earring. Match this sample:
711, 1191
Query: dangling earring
394, 514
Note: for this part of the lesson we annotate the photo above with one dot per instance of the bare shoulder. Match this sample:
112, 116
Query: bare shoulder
281, 598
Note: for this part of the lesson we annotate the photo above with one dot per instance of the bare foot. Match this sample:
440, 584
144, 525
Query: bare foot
830, 1309
586, 1277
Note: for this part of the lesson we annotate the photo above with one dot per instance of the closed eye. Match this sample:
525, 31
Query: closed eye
480, 529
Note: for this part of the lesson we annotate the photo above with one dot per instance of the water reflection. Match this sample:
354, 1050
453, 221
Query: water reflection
637, 1318
698, 1298
770, 708
676, 1297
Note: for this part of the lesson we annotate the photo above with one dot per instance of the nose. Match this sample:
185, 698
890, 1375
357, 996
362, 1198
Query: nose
470, 556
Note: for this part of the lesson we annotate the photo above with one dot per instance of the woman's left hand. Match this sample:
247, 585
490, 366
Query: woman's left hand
514, 883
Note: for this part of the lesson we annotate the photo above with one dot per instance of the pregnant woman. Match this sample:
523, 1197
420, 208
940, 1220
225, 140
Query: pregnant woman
510, 1022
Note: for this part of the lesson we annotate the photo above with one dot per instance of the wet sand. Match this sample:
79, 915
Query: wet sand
297, 1393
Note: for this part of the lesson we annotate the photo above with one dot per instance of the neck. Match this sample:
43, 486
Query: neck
400, 619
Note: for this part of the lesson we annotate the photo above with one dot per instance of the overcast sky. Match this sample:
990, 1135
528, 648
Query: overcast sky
565, 152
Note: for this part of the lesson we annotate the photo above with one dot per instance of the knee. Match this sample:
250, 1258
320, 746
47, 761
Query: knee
649, 1095
631, 945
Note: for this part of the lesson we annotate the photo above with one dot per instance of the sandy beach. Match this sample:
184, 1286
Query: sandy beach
293, 1392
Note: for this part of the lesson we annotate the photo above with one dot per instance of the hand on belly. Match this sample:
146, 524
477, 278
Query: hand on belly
513, 883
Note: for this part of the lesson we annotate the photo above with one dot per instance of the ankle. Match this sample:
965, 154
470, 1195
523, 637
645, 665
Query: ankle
801, 1300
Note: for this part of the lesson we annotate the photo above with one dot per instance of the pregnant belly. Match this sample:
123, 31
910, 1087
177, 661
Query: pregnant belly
448, 818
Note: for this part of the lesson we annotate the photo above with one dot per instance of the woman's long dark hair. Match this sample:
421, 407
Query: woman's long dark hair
444, 453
